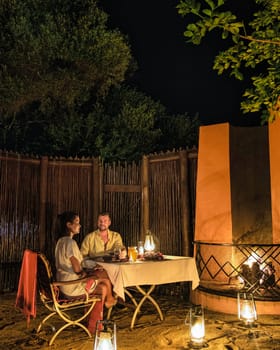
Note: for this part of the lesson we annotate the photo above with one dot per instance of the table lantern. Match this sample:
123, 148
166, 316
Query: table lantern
105, 337
197, 327
247, 312
149, 244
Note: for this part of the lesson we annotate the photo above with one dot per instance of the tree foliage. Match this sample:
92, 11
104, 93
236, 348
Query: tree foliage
62, 85
57, 49
129, 129
255, 50
125, 126
178, 131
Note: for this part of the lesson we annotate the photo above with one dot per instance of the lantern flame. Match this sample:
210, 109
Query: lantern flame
149, 244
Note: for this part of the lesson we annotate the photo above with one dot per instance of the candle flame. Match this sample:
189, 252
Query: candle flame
247, 313
105, 342
149, 245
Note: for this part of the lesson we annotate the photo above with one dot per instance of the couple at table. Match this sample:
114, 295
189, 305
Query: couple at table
68, 260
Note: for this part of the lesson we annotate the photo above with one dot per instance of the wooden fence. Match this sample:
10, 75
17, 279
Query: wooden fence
157, 193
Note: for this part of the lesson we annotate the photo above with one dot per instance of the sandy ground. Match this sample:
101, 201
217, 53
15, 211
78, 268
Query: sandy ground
222, 331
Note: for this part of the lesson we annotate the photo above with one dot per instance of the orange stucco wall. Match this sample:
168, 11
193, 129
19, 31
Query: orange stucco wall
213, 203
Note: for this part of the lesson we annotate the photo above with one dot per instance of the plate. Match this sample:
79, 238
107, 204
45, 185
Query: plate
89, 263
153, 256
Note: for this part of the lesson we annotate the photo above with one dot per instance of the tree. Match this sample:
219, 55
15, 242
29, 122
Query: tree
177, 131
62, 92
120, 127
57, 57
127, 125
58, 49
255, 50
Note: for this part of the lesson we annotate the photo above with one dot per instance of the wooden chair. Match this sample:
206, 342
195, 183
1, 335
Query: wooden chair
65, 309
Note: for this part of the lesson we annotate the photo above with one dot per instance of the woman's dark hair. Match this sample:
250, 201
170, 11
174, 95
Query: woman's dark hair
61, 223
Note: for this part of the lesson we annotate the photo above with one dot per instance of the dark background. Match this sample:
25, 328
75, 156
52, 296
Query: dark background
176, 73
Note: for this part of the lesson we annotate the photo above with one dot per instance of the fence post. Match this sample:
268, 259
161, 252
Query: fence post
145, 219
185, 203
95, 189
43, 201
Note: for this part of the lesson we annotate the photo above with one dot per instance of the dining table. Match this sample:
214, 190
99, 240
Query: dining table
145, 275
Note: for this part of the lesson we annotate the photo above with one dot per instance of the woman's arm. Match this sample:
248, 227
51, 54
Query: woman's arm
77, 266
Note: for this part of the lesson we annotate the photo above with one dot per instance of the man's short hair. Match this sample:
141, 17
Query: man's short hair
105, 213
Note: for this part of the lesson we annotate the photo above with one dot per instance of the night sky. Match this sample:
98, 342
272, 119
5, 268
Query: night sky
177, 74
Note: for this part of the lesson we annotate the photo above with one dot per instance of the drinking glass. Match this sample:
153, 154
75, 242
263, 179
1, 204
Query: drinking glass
132, 253
123, 253
140, 247
117, 252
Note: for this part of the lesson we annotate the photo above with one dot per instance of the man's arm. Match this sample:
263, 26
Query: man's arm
118, 240
85, 246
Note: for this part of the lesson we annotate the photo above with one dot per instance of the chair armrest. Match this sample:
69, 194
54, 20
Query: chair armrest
65, 283
57, 284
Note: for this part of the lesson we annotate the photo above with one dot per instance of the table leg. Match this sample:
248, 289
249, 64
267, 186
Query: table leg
131, 297
146, 295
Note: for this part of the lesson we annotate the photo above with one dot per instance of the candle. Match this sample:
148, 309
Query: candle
246, 308
149, 245
105, 342
197, 332
105, 337
247, 312
197, 327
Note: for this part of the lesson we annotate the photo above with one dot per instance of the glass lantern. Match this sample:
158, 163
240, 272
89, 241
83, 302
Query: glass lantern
197, 327
149, 245
105, 337
247, 312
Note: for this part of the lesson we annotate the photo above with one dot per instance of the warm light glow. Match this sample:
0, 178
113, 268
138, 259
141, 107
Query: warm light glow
105, 342
247, 312
246, 308
105, 337
240, 279
149, 244
197, 332
197, 327
140, 248
252, 259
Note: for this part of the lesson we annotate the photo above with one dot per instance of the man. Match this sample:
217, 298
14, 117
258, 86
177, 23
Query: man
101, 240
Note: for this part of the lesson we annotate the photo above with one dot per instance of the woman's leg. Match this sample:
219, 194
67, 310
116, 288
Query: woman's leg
97, 312
103, 278
95, 315
110, 300
104, 288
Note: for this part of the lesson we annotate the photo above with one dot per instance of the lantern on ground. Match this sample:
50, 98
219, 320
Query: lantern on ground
247, 312
197, 327
105, 337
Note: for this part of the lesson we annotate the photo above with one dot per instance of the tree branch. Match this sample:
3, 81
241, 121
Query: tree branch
260, 40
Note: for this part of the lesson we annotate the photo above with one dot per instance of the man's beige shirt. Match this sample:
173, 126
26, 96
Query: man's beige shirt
93, 245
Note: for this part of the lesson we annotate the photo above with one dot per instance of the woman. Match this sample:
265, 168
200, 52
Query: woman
68, 261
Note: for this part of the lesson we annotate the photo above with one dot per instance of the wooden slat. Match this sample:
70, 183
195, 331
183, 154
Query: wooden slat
122, 188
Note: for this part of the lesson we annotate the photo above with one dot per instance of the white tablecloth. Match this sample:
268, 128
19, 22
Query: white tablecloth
170, 270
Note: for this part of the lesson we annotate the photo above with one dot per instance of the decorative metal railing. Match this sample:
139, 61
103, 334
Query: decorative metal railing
228, 268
